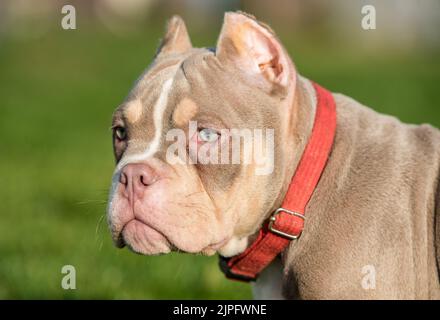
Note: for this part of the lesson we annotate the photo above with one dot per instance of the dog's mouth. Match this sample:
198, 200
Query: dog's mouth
141, 238
144, 239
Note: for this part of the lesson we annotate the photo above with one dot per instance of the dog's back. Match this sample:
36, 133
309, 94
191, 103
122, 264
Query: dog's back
373, 215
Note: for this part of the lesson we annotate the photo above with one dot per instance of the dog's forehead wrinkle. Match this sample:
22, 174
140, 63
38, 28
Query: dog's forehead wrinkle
152, 127
173, 60
193, 65
153, 77
221, 91
138, 110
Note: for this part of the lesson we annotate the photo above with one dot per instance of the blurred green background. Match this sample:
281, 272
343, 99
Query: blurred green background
58, 89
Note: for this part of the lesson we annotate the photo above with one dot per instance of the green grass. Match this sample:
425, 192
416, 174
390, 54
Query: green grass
57, 95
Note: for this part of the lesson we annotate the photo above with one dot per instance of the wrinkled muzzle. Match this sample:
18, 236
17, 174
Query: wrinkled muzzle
155, 208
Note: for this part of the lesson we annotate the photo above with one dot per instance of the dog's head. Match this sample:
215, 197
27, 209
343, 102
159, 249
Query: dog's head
181, 183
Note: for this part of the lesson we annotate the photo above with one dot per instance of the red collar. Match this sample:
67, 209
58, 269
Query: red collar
287, 222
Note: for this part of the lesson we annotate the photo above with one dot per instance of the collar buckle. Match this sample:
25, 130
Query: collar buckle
273, 218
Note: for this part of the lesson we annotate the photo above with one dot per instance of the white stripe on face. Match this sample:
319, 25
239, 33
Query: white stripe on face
158, 112
153, 147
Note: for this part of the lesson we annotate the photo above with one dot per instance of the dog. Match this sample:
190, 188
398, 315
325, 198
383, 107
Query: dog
372, 227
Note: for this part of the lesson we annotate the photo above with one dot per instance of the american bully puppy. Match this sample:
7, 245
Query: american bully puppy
372, 226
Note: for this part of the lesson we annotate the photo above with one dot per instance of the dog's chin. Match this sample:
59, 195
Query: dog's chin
142, 239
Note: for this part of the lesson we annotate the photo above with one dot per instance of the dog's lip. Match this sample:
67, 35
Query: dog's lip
120, 241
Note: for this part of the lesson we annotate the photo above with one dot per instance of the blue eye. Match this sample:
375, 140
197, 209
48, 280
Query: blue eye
208, 135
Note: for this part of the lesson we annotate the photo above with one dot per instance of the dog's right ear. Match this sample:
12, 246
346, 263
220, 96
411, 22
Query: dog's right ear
176, 39
254, 48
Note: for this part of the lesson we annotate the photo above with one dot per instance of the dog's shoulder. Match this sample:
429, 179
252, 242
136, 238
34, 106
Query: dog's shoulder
374, 202
388, 156
369, 132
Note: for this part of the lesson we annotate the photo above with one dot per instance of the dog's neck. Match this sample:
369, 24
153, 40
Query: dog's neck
296, 133
299, 128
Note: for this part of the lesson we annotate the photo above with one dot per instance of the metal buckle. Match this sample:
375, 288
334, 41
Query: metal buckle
281, 233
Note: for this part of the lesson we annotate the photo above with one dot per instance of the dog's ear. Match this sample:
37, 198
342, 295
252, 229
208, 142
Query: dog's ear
254, 48
176, 39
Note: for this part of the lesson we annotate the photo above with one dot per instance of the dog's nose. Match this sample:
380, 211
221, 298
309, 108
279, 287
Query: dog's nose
136, 177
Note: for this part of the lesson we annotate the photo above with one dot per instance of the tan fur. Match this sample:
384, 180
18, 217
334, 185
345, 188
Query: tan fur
184, 112
374, 205
377, 203
133, 111
176, 38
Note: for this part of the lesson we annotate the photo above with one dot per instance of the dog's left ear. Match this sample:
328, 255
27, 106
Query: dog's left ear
176, 39
253, 48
